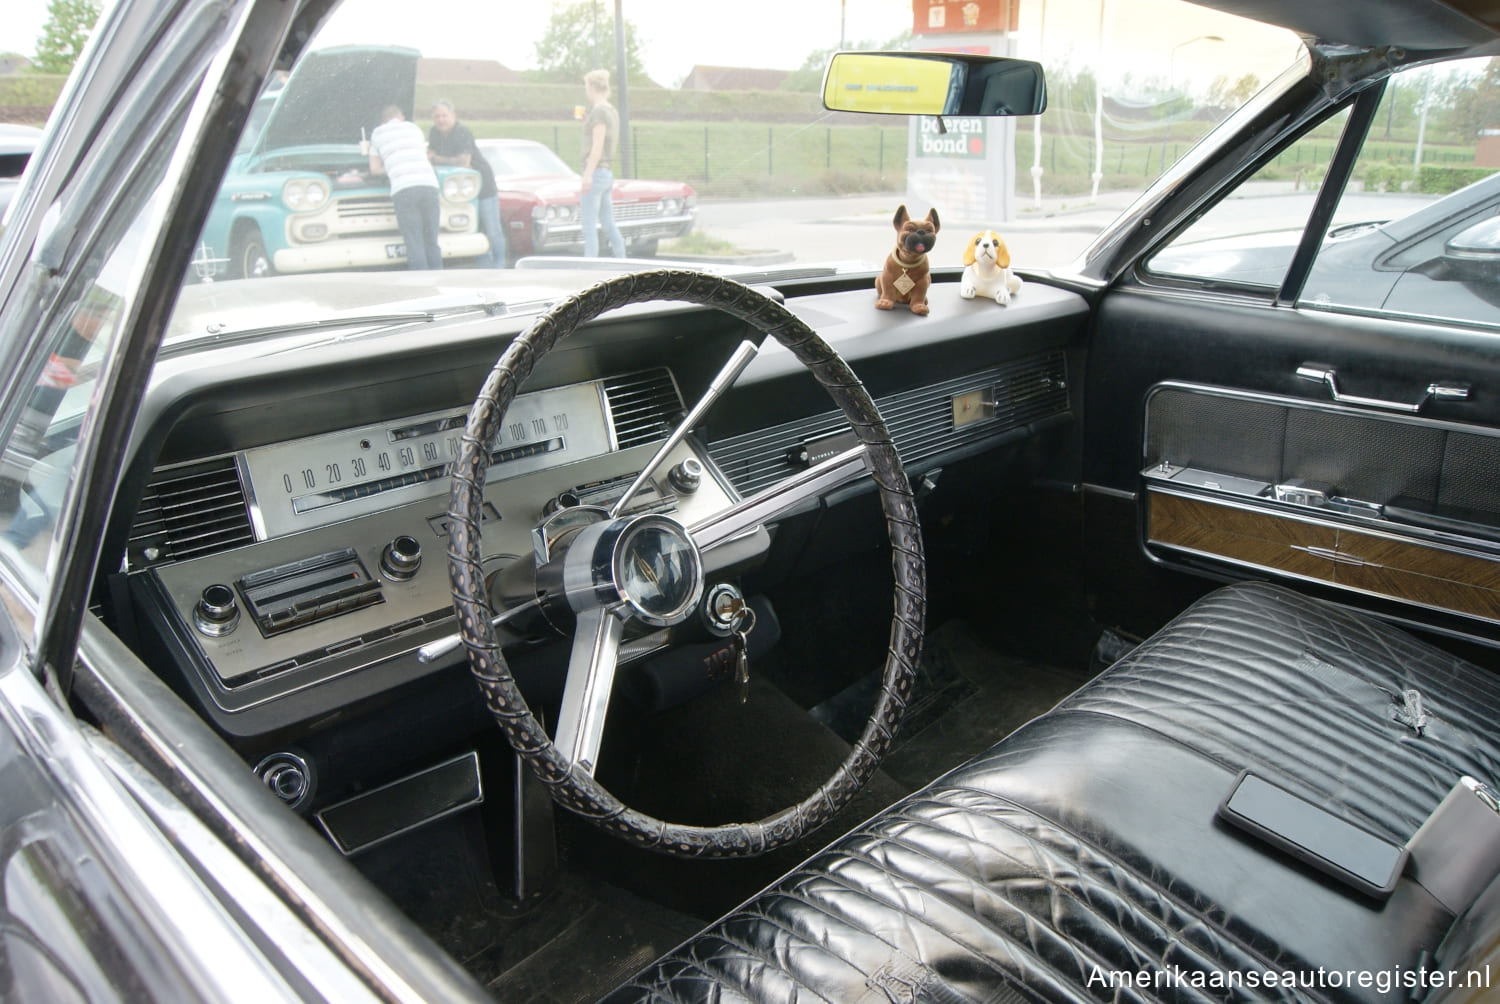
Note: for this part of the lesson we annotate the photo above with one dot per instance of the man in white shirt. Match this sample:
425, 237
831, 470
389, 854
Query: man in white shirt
399, 150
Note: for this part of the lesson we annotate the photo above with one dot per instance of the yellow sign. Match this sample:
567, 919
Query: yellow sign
891, 83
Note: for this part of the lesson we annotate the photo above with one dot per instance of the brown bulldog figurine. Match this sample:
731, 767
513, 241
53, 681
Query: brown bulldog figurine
905, 279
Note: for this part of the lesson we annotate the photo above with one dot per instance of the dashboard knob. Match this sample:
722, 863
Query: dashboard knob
288, 776
401, 558
217, 612
562, 500
686, 476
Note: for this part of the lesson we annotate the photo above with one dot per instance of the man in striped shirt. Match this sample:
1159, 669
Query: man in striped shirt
399, 150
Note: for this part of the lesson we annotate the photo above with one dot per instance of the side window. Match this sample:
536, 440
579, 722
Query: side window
1417, 231
1249, 237
36, 464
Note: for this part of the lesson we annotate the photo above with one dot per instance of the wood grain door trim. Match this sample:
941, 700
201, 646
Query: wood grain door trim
1439, 578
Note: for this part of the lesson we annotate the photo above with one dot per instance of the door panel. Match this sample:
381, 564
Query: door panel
1261, 423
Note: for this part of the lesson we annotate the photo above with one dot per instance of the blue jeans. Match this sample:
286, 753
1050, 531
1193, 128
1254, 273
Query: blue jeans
417, 214
489, 223
595, 210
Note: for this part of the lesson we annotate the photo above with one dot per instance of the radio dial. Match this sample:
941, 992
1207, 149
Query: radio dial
401, 558
686, 476
217, 612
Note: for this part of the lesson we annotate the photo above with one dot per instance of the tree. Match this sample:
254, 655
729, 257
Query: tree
69, 23
1227, 94
581, 37
1475, 101
809, 76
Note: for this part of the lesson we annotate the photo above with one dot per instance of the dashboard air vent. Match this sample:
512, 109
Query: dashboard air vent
643, 407
1020, 394
188, 511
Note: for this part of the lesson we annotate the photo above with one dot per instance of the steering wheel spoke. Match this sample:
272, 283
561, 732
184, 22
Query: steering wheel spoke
721, 382
781, 498
591, 676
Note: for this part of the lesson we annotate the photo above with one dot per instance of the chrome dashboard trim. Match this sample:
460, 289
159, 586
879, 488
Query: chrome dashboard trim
1310, 404
609, 418
257, 518
357, 651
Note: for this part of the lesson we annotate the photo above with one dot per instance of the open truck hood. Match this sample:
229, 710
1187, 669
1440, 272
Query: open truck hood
313, 108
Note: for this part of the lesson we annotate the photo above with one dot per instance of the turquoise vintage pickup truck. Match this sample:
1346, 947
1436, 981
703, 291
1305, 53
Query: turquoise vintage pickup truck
299, 196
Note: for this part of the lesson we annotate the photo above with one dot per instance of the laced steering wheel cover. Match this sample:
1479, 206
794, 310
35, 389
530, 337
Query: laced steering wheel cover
574, 788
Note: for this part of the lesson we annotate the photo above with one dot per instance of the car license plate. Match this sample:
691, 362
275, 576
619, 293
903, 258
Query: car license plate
395, 250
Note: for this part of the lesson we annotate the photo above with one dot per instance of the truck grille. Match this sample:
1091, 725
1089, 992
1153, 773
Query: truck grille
366, 207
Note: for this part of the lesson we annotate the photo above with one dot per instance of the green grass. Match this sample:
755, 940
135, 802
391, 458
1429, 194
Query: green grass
701, 243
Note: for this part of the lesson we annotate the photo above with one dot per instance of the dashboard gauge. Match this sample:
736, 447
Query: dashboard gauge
314, 481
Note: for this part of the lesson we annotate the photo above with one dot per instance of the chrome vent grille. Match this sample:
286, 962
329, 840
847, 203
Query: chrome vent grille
637, 210
357, 207
920, 420
643, 407
188, 511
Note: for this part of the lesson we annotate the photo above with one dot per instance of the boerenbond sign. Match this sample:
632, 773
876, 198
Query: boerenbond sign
966, 167
965, 137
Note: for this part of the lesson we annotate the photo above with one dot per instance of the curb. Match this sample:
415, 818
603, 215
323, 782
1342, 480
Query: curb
748, 258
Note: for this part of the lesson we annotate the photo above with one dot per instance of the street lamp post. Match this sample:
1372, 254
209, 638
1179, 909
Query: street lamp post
1171, 87
1416, 160
622, 96
1036, 127
1098, 174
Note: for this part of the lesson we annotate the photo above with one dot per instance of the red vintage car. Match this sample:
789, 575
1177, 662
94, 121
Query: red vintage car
539, 203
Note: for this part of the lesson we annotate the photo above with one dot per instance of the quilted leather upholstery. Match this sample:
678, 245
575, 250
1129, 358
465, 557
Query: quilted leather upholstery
1086, 843
1310, 693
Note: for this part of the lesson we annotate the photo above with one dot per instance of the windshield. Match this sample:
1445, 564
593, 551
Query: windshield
521, 159
481, 144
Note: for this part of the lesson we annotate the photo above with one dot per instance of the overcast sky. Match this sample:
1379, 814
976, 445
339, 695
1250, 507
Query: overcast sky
780, 35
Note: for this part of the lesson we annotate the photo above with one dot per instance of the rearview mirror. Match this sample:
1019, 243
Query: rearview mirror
933, 83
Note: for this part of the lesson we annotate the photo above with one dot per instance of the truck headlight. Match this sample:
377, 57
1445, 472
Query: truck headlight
303, 195
460, 186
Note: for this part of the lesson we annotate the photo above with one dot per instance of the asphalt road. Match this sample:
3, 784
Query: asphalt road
859, 228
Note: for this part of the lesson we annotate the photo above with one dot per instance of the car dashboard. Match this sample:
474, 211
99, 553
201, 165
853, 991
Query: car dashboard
286, 560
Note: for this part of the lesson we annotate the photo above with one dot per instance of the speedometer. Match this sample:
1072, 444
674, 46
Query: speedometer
321, 479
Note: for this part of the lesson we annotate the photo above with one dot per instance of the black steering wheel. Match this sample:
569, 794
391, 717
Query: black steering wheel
590, 571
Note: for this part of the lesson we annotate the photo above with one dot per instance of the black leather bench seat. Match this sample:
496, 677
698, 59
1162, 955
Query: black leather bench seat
1086, 845
1314, 695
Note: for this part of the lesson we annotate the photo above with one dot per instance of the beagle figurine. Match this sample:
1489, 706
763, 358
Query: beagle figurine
987, 269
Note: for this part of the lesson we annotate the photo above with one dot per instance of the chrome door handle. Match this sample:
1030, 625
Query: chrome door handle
1442, 390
